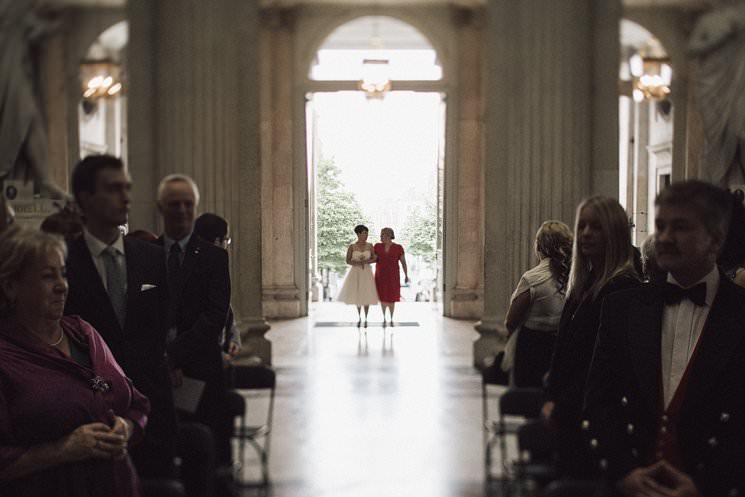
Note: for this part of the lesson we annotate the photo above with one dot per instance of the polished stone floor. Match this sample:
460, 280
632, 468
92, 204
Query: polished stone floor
375, 412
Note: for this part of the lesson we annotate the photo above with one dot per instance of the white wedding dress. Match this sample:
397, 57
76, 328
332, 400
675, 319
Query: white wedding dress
359, 283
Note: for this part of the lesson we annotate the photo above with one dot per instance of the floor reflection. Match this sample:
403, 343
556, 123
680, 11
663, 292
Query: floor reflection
375, 411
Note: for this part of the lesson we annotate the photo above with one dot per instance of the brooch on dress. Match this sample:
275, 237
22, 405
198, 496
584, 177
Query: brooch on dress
98, 384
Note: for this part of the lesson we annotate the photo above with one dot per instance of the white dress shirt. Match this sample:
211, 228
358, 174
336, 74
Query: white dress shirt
682, 324
96, 247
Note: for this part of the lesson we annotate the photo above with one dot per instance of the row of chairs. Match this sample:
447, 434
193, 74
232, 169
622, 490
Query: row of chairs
518, 418
247, 384
257, 383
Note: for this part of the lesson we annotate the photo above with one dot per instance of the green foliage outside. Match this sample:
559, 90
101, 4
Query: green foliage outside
421, 232
338, 214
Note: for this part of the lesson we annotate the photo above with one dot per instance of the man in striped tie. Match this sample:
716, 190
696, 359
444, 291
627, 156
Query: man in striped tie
119, 285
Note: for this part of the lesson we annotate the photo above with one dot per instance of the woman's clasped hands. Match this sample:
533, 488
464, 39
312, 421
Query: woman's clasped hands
97, 440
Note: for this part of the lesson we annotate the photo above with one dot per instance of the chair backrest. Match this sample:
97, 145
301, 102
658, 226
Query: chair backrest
235, 404
252, 377
492, 373
526, 402
536, 438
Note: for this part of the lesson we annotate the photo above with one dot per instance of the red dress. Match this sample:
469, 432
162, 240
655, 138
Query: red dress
387, 279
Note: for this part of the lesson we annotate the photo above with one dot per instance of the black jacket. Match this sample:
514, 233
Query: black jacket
140, 347
623, 405
202, 303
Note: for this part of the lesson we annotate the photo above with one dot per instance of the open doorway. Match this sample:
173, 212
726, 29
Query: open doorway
645, 125
376, 153
102, 112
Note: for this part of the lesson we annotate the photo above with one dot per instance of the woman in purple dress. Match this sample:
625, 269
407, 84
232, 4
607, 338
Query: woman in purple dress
67, 411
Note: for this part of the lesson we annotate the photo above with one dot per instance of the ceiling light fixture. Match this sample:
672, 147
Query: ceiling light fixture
101, 78
652, 77
375, 82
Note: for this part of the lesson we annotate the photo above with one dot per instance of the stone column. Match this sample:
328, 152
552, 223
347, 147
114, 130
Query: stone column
204, 93
466, 297
679, 91
282, 261
640, 209
141, 114
54, 96
543, 144
602, 60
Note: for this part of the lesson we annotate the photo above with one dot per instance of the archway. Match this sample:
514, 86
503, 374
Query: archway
382, 79
645, 125
102, 111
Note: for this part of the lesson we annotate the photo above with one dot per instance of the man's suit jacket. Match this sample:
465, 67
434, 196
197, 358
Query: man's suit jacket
140, 347
202, 302
623, 405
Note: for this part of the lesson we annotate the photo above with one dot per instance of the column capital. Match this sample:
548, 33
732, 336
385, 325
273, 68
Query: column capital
278, 18
462, 16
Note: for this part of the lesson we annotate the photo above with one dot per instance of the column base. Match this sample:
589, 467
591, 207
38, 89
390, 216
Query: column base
465, 303
282, 302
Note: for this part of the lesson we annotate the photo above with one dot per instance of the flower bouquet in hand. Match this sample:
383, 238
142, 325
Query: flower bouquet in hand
361, 259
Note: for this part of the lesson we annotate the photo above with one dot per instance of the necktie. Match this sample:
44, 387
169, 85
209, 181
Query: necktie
174, 281
673, 294
115, 280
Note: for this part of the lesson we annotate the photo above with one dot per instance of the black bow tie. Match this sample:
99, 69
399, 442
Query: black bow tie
673, 294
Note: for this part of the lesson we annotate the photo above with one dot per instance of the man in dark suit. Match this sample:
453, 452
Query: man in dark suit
119, 286
199, 285
664, 406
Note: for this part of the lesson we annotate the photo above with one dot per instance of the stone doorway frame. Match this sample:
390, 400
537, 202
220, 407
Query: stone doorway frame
313, 25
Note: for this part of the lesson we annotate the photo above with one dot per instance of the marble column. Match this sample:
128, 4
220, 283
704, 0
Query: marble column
203, 120
54, 90
466, 297
680, 96
549, 137
641, 186
283, 268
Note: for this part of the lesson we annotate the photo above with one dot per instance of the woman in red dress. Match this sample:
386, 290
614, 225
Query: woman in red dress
387, 279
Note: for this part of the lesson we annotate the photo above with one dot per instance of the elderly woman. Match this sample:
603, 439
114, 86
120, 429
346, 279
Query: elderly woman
67, 411
387, 278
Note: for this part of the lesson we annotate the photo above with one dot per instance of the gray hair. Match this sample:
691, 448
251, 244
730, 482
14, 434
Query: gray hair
172, 178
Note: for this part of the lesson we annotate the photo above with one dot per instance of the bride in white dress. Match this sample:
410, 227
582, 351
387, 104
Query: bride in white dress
359, 283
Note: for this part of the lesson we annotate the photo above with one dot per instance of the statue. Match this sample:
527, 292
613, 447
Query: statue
23, 142
718, 41
6, 214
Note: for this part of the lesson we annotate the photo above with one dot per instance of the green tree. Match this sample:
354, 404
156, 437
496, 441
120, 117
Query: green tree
421, 232
338, 213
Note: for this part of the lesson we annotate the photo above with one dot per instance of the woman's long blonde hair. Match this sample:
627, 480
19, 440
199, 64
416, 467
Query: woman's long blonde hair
618, 257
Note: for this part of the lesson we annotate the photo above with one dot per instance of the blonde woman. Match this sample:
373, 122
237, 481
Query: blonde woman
602, 264
358, 288
387, 278
68, 413
533, 316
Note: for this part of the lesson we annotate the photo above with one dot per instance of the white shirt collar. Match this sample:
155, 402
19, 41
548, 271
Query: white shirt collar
96, 246
711, 279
